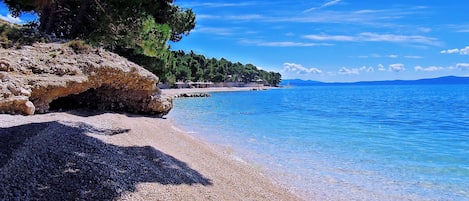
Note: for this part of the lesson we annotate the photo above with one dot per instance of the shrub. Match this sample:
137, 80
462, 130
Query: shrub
12, 35
8, 34
79, 46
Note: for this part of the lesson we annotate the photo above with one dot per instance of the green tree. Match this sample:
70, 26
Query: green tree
195, 67
138, 26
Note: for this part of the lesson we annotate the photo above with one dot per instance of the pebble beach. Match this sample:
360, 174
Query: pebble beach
89, 155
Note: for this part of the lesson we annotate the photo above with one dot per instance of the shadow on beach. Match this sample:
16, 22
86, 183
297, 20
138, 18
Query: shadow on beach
54, 161
89, 112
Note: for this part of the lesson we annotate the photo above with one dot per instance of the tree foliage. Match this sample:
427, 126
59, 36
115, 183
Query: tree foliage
195, 67
141, 26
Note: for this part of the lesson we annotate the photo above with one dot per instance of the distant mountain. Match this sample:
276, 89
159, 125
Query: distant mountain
299, 82
440, 80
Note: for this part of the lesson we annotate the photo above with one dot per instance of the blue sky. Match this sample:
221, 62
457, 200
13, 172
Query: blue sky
24, 18
334, 40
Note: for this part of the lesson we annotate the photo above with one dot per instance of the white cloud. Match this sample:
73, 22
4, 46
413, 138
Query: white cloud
367, 36
450, 51
298, 68
286, 44
11, 19
461, 28
371, 56
374, 18
367, 69
202, 16
331, 3
392, 56
381, 67
425, 29
323, 37
346, 71
251, 32
355, 71
215, 31
244, 17
396, 67
216, 4
366, 11
327, 4
463, 51
374, 37
247, 17
413, 57
281, 43
463, 66
428, 69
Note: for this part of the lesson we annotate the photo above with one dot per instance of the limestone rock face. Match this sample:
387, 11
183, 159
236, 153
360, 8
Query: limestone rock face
35, 79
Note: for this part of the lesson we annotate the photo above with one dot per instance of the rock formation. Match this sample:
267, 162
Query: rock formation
42, 77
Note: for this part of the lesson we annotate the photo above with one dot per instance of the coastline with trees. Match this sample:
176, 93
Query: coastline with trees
192, 67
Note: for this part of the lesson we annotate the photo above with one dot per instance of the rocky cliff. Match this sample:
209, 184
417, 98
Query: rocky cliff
54, 76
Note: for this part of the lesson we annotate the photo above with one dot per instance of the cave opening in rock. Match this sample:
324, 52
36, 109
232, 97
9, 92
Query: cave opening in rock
88, 99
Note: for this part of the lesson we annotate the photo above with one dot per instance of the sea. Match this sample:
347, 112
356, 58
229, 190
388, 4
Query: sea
344, 142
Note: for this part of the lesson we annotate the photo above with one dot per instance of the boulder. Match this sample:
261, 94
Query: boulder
54, 76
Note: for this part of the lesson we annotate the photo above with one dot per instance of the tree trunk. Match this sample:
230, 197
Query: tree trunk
43, 18
51, 18
78, 24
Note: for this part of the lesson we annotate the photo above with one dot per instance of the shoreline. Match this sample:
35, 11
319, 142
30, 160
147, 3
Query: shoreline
177, 92
195, 169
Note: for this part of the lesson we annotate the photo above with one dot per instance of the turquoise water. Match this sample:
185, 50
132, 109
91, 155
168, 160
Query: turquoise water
345, 142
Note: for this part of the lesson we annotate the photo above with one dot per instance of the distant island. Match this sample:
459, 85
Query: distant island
428, 81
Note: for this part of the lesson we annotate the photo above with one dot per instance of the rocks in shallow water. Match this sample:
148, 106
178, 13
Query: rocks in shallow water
35, 77
190, 95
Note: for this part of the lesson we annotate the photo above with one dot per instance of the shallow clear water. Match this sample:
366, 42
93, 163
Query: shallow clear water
345, 142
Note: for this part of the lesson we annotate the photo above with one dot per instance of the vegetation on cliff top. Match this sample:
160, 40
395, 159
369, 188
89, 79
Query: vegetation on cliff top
12, 35
138, 30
